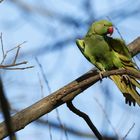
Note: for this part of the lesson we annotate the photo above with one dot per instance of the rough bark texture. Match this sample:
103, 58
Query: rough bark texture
67, 93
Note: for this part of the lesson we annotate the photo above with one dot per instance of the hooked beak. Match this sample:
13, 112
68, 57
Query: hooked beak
110, 30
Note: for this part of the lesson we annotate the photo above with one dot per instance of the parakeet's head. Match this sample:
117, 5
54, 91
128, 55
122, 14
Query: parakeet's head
102, 27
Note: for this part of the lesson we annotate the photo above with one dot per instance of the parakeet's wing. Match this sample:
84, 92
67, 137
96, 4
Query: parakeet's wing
121, 50
128, 88
81, 45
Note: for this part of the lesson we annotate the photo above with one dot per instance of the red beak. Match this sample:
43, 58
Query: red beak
110, 30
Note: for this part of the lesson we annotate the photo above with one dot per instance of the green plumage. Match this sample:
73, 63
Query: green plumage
108, 53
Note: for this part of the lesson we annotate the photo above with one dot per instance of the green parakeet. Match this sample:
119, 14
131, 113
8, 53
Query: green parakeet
108, 53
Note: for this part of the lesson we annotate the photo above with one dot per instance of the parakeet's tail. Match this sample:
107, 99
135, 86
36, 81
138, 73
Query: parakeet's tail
127, 86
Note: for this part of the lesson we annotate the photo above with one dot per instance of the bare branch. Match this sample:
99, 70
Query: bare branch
5, 54
12, 65
63, 95
23, 68
86, 118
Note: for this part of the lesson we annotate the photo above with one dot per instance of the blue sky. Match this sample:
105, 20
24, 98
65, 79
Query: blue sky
61, 66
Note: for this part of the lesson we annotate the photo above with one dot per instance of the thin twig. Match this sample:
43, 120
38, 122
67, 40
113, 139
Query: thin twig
19, 45
106, 116
129, 131
16, 56
23, 68
118, 32
7, 52
41, 86
43, 74
61, 124
86, 118
115, 27
17, 52
49, 89
50, 128
13, 65
2, 45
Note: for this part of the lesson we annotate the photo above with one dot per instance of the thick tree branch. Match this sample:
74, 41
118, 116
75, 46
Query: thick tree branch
134, 46
63, 95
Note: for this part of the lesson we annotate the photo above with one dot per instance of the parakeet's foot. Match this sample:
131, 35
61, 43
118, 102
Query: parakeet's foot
125, 78
129, 99
101, 75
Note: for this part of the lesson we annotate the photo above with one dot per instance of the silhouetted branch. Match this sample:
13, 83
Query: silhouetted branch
63, 95
4, 105
86, 118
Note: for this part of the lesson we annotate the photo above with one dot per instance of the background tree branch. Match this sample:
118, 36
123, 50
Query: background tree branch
67, 93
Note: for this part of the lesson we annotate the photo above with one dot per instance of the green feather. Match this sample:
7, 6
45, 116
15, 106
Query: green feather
108, 53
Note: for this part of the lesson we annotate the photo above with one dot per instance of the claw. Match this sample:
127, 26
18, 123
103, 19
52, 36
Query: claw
129, 100
129, 103
125, 78
101, 75
126, 101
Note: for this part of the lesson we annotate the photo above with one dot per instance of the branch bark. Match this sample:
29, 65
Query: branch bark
63, 95
134, 47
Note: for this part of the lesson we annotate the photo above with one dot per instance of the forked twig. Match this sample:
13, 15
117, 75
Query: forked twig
13, 65
22, 68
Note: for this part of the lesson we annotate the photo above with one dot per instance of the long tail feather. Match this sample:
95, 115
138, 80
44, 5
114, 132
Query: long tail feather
128, 88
